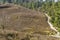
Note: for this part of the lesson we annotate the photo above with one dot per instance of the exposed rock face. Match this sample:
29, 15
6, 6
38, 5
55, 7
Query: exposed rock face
25, 24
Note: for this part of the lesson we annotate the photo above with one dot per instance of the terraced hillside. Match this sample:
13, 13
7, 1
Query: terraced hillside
19, 23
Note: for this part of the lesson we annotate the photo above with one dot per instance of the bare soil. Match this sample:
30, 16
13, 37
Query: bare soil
20, 23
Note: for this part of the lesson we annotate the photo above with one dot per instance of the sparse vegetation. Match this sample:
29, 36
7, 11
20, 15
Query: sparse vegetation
20, 23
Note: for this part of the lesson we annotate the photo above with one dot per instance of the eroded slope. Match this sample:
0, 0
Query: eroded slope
26, 21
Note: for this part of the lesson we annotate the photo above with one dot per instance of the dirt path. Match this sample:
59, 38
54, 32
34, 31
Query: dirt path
58, 33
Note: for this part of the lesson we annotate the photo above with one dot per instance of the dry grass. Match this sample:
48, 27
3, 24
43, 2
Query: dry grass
25, 23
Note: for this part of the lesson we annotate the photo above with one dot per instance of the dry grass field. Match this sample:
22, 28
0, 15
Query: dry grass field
19, 23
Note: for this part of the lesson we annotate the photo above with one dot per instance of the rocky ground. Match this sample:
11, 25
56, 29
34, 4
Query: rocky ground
19, 23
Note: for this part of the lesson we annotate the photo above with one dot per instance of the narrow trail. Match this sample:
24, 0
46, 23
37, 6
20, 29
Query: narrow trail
51, 26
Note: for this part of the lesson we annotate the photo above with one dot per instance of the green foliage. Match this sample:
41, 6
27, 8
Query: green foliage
25, 3
53, 10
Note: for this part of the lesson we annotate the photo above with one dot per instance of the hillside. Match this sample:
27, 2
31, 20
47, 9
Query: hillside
19, 23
